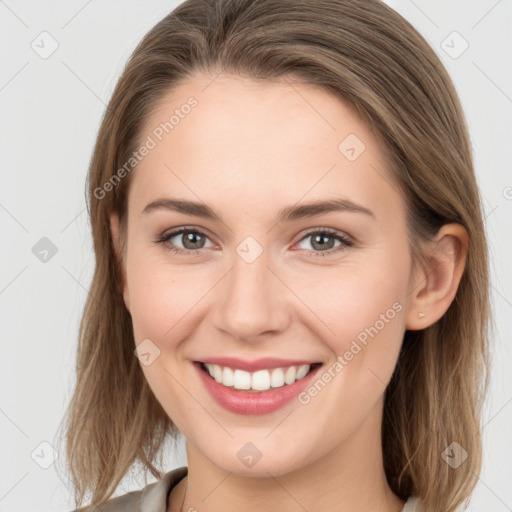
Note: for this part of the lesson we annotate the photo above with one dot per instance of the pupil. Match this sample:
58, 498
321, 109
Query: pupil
322, 245
191, 238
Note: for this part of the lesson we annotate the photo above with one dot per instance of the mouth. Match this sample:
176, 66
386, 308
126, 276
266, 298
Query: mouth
234, 389
265, 380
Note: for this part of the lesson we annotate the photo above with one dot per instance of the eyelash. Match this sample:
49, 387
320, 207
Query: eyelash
345, 241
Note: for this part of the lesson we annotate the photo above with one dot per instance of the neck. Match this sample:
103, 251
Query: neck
349, 477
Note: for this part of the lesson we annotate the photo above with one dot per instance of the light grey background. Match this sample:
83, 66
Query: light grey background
50, 109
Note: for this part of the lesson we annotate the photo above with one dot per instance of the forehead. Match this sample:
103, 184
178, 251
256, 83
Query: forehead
246, 141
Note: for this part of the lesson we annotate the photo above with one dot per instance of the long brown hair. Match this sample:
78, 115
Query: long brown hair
376, 61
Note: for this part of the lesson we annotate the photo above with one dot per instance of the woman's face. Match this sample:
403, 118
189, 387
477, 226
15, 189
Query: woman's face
318, 285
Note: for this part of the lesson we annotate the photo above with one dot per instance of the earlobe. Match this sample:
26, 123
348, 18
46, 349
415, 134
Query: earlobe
114, 230
435, 287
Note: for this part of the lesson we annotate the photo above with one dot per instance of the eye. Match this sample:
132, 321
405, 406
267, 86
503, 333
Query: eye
324, 240
191, 239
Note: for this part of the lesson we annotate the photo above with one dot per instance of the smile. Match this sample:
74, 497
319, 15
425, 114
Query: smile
260, 392
261, 380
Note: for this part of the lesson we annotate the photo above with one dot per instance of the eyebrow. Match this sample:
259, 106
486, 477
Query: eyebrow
289, 213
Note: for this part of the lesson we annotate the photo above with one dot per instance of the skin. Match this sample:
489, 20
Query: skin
247, 150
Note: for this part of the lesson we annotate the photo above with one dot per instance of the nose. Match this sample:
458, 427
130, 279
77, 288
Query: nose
252, 301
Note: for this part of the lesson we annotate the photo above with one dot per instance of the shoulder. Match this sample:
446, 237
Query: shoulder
153, 497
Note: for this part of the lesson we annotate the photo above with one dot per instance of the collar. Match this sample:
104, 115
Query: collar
154, 496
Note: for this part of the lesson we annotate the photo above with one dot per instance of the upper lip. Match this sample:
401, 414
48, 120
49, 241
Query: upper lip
254, 365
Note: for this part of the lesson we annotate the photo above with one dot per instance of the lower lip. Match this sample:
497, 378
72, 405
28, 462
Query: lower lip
243, 402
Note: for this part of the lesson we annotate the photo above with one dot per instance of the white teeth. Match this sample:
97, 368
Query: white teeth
289, 376
277, 378
302, 371
241, 380
217, 373
227, 376
261, 380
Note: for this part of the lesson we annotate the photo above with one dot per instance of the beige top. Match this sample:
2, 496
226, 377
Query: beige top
153, 497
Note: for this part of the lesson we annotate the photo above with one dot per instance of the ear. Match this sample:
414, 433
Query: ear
434, 287
114, 229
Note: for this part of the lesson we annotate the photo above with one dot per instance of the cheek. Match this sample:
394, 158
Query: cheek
160, 296
360, 307
364, 308
164, 309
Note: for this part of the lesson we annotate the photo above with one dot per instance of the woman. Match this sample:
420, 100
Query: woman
291, 268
